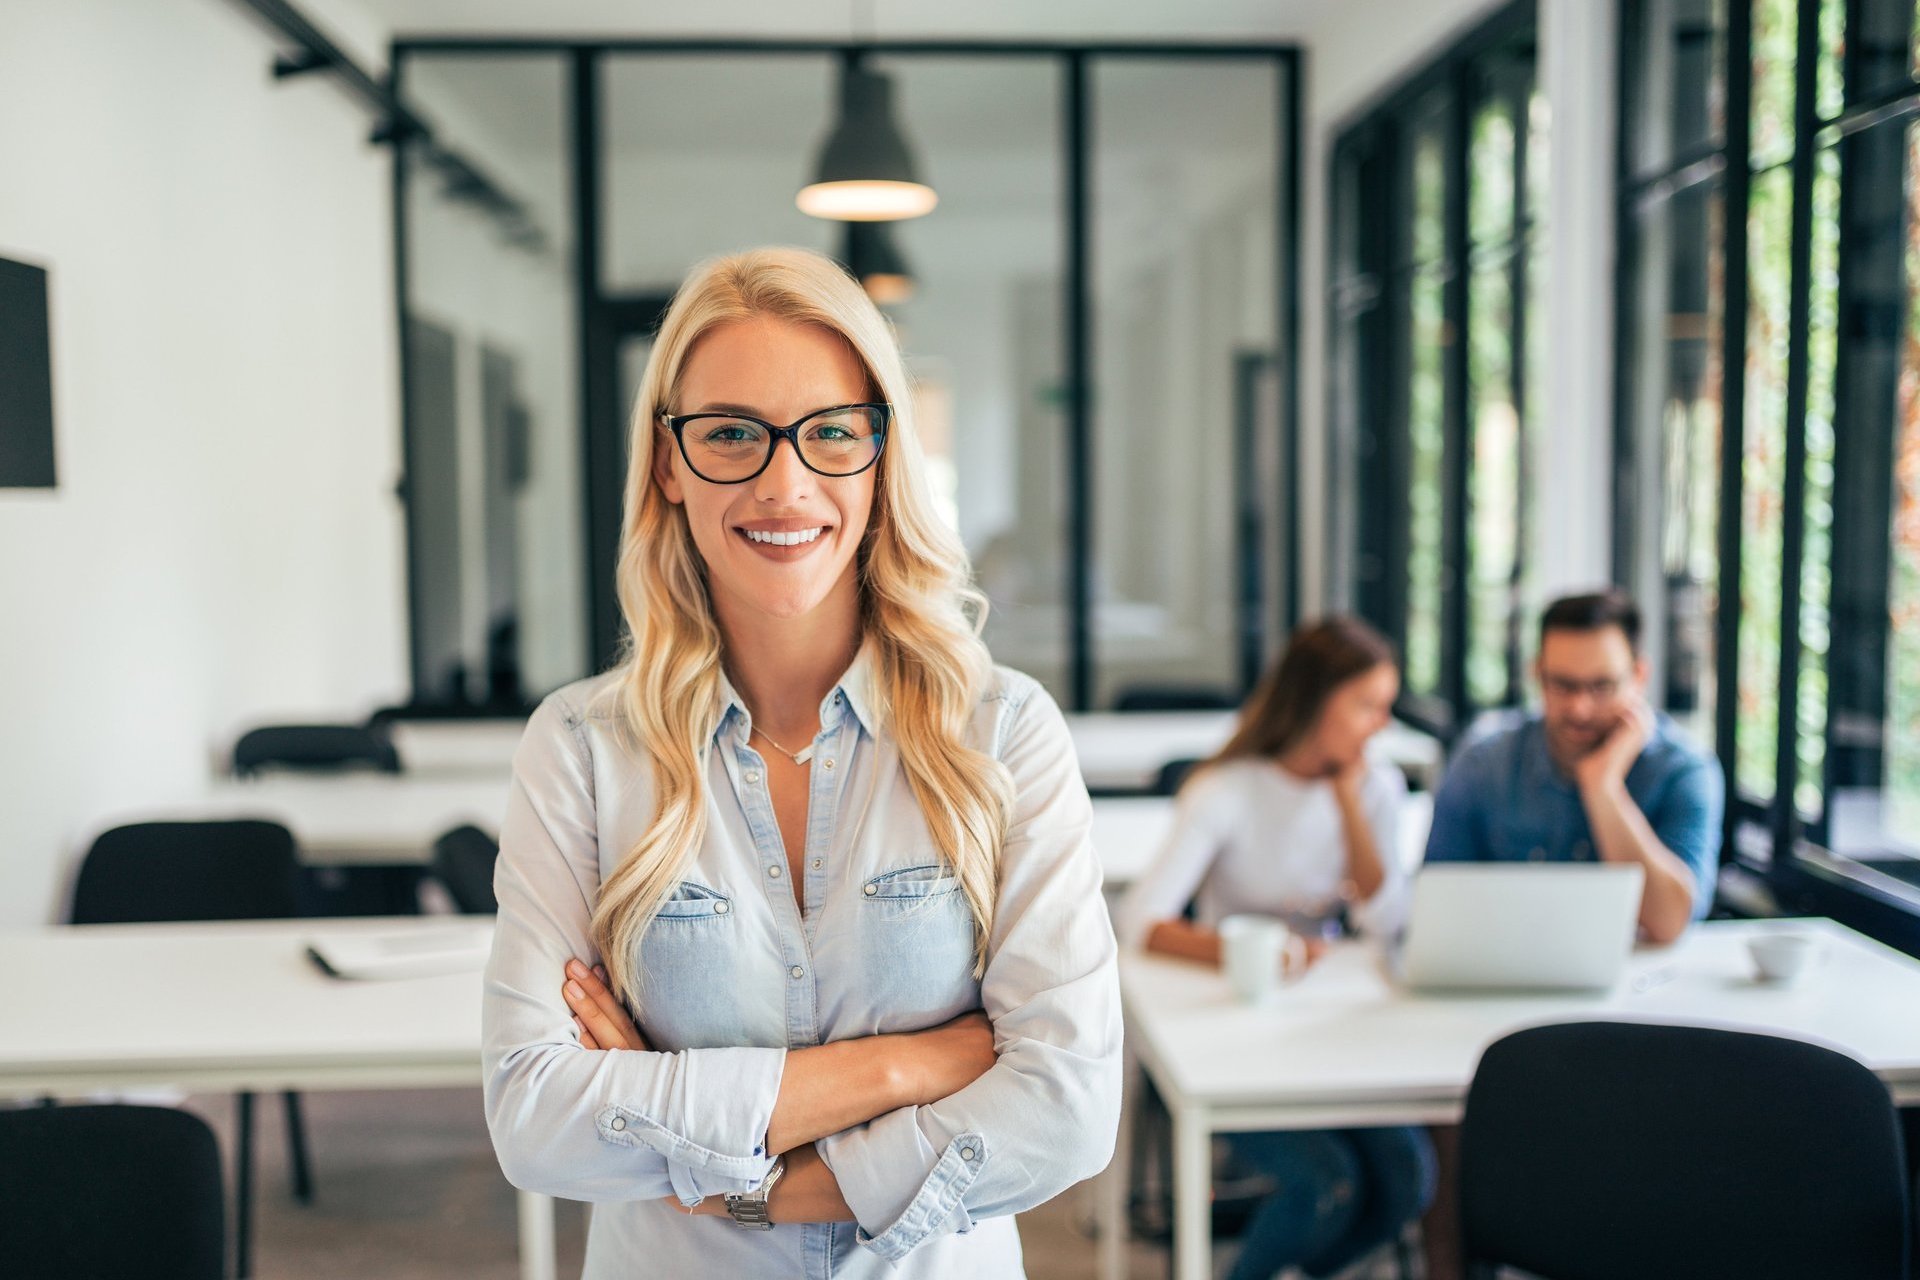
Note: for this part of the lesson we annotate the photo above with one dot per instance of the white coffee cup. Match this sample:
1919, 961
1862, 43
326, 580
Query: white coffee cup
1782, 957
1250, 949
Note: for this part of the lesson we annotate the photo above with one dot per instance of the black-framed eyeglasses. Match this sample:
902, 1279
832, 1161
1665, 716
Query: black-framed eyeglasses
732, 448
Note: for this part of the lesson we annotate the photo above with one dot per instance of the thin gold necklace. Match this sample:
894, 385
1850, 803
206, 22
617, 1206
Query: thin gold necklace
800, 758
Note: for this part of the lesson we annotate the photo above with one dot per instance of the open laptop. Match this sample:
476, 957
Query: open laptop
1516, 926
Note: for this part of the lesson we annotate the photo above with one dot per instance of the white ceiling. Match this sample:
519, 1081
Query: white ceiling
1087, 20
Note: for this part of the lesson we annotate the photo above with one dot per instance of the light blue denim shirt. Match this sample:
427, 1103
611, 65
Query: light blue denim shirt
734, 974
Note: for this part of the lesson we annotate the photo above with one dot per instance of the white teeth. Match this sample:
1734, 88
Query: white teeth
786, 539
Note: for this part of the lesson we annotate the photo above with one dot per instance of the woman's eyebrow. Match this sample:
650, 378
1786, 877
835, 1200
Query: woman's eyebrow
720, 407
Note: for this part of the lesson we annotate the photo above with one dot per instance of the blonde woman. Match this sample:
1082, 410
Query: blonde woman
802, 967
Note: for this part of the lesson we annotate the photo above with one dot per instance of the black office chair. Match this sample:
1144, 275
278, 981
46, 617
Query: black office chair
173, 871
1596, 1150
463, 861
314, 746
1175, 697
1172, 776
98, 1192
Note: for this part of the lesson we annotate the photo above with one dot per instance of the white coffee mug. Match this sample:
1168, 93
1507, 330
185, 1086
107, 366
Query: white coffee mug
1250, 949
1782, 957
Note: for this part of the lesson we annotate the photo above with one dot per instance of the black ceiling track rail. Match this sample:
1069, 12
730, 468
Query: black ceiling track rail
396, 123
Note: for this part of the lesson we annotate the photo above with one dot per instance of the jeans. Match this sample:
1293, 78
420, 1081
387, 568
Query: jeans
1342, 1193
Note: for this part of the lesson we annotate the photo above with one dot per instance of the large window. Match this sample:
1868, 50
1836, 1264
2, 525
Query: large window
1439, 250
1099, 329
1770, 426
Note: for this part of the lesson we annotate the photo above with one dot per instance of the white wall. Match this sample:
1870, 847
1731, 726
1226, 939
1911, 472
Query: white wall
224, 545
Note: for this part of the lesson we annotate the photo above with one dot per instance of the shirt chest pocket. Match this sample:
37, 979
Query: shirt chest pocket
916, 939
687, 970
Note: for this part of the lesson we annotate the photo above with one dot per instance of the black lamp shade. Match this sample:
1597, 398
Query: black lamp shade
866, 171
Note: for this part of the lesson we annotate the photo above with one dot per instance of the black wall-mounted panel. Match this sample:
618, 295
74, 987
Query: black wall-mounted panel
26, 379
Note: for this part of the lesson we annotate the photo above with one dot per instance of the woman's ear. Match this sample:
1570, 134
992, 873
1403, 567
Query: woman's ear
664, 449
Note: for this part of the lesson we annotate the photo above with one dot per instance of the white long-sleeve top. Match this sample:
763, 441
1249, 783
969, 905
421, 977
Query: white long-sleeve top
734, 974
1250, 837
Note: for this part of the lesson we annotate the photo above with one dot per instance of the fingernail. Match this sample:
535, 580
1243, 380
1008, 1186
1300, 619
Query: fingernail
576, 968
600, 972
574, 990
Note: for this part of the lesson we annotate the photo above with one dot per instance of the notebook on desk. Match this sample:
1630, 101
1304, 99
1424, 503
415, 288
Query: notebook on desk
454, 947
1505, 926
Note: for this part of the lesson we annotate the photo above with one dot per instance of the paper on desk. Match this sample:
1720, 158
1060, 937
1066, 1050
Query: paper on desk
409, 953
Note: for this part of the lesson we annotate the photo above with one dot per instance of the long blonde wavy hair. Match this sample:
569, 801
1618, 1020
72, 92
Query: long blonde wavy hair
918, 610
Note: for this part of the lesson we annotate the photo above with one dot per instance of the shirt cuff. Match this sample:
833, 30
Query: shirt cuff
715, 1138
881, 1168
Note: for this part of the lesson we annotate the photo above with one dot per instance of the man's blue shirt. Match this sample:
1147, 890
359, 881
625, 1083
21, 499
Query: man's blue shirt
1504, 800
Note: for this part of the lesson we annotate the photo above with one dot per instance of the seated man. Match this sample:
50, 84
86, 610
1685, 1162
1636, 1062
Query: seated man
1594, 775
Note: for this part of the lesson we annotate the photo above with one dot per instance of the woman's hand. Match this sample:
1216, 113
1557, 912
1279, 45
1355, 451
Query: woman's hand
602, 1019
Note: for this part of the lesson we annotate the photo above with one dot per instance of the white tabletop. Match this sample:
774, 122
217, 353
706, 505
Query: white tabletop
225, 1005
1128, 833
481, 745
1124, 750
1344, 1045
345, 819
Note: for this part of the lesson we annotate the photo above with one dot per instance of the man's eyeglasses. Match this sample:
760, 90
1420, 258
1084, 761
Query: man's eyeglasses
1602, 690
732, 448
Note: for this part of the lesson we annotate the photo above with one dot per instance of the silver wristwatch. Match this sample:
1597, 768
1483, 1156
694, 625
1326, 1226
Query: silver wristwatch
749, 1208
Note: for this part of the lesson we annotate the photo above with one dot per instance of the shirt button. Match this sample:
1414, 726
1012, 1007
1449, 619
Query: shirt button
872, 889
966, 1153
1537, 855
817, 862
618, 1124
828, 764
720, 907
774, 871
751, 775
797, 972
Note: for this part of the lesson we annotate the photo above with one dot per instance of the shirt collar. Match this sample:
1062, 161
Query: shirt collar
855, 689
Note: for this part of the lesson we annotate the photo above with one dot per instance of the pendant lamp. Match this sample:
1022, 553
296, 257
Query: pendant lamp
866, 171
872, 257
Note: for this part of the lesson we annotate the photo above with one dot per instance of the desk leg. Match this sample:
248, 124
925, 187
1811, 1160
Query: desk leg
536, 1237
1113, 1190
1192, 1198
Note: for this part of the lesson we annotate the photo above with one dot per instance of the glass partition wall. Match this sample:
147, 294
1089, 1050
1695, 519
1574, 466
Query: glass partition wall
1097, 318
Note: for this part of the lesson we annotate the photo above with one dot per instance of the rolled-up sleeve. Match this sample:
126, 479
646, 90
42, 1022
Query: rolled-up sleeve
570, 1121
1044, 1116
1687, 821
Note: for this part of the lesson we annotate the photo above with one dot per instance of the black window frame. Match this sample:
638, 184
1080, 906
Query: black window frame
1370, 329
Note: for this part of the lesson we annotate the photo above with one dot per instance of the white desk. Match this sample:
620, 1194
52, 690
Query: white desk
237, 1006
1128, 833
482, 745
1344, 1048
1124, 750
353, 819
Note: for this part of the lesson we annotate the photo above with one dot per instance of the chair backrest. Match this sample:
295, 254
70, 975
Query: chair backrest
314, 746
1172, 776
463, 860
110, 1191
1175, 697
241, 870
1596, 1150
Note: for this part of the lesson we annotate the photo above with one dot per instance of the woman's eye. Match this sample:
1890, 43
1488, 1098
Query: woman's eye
832, 431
